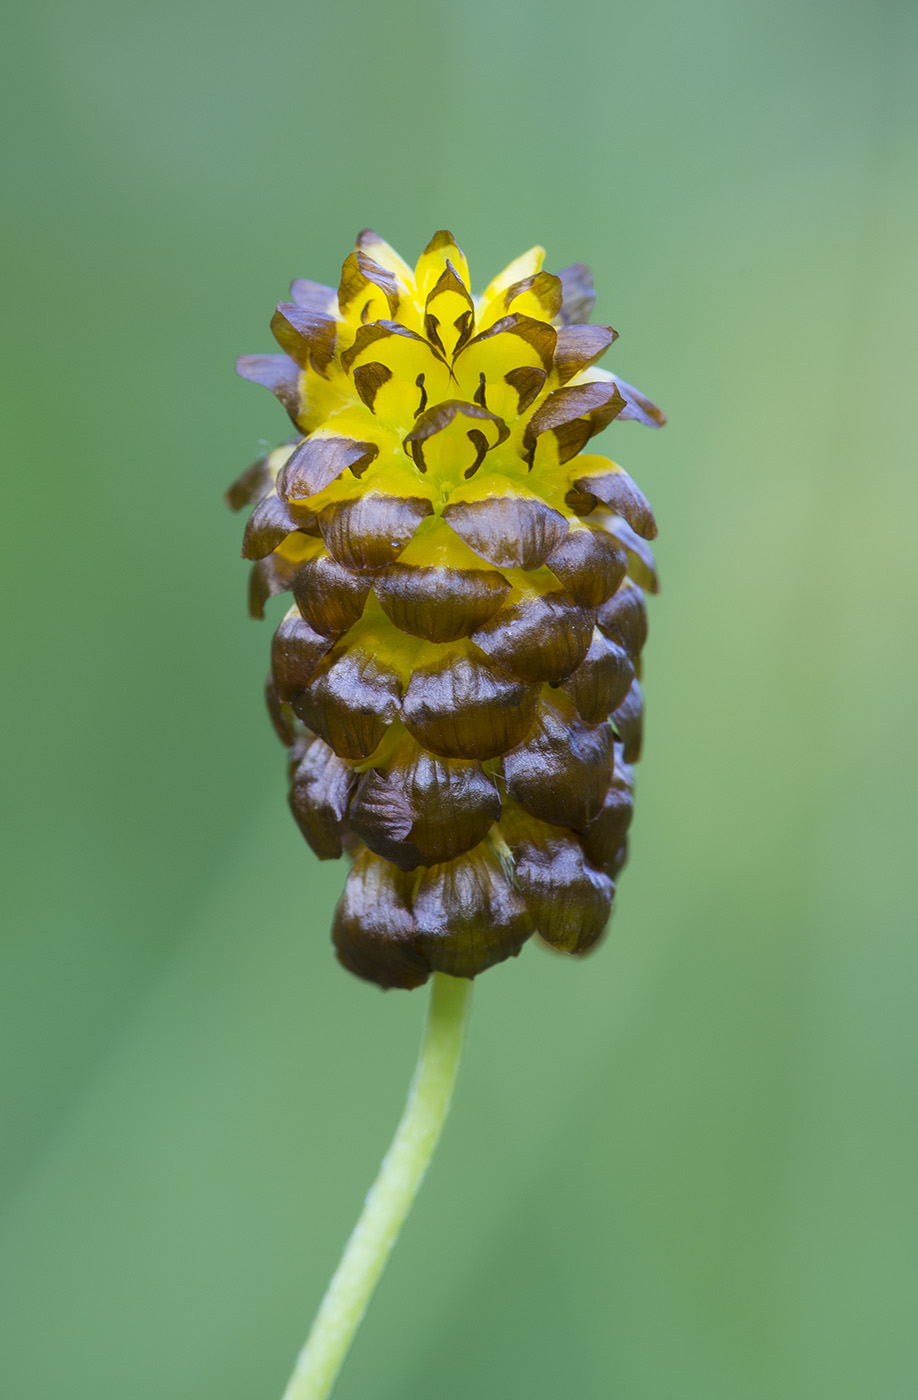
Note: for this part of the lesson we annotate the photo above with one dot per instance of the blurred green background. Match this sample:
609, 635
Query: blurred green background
685, 1169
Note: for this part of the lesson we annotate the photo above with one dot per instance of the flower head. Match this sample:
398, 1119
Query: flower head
457, 679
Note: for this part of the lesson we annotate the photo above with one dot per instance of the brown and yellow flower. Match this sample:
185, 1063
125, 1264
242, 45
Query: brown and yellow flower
457, 679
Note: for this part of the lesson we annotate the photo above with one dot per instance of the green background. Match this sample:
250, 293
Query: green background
684, 1169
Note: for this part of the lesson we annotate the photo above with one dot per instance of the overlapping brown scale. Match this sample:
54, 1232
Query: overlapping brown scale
628, 722
578, 347
468, 915
482, 429
329, 596
371, 530
296, 651
268, 577
321, 786
271, 522
460, 707
578, 294
314, 295
275, 372
590, 564
351, 701
320, 460
624, 619
615, 489
363, 282
280, 714
601, 681
642, 565
604, 837
569, 901
512, 531
573, 414
256, 481
305, 334
542, 637
373, 930
424, 809
618, 861
439, 604
561, 773
580, 502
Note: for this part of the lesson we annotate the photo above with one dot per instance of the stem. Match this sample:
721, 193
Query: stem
391, 1195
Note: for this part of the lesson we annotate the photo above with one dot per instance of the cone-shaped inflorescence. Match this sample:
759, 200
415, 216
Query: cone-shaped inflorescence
457, 679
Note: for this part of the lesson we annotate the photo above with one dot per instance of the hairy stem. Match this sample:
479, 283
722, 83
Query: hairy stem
391, 1195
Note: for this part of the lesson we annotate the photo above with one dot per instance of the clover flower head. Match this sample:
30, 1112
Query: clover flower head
457, 679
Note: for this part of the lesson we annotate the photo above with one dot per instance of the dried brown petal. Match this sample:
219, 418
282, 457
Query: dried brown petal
359, 276
628, 722
570, 903
374, 930
642, 564
573, 414
270, 523
590, 565
439, 604
538, 334
370, 531
318, 461
615, 489
638, 408
618, 861
541, 638
329, 596
351, 702
601, 682
369, 379
604, 836
306, 335
512, 531
545, 289
425, 810
468, 916
296, 652
268, 577
461, 708
248, 488
314, 295
624, 619
562, 772
579, 347
528, 381
275, 372
578, 295
320, 792
281, 715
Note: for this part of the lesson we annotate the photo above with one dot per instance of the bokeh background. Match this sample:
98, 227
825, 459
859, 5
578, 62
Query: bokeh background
685, 1169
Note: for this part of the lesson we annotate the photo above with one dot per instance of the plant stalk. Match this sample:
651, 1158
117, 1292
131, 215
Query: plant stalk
391, 1196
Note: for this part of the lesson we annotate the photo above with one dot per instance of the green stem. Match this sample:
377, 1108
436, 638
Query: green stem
391, 1195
